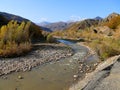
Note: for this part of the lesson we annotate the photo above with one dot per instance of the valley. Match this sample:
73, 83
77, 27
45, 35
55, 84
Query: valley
58, 56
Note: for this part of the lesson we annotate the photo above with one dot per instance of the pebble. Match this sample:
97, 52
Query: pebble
20, 77
75, 76
4, 77
38, 57
16, 89
65, 69
42, 78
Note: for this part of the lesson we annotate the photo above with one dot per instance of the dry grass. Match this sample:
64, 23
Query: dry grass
105, 46
13, 50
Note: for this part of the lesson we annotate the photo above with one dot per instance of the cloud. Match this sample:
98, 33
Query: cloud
76, 18
43, 19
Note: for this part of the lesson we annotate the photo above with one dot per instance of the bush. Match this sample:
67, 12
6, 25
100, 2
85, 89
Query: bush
50, 39
105, 47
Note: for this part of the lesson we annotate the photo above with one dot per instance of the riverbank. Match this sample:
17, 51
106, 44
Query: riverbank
104, 77
41, 53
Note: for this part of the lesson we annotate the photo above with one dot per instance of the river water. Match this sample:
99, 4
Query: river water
51, 76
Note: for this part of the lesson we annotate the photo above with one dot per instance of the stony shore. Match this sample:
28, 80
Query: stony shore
104, 77
41, 53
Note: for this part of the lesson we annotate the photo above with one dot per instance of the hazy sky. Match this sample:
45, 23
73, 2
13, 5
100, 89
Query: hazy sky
59, 10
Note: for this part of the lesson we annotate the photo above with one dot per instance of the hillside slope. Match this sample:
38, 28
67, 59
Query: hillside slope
35, 30
82, 24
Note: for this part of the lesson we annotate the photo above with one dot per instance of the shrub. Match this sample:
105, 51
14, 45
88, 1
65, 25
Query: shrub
50, 38
105, 47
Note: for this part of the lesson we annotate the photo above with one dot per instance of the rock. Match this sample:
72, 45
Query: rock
112, 81
16, 89
69, 54
42, 78
75, 76
5, 77
65, 69
20, 77
81, 71
103, 30
101, 78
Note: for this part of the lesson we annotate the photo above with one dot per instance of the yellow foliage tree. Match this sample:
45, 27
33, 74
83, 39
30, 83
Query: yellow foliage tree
14, 34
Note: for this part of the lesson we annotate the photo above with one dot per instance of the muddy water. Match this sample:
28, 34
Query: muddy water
51, 76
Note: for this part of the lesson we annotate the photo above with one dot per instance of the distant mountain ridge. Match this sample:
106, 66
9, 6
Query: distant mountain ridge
43, 23
92, 22
56, 26
65, 25
79, 24
98, 18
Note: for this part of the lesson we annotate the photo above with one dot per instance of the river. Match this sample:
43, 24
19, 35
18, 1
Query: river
51, 76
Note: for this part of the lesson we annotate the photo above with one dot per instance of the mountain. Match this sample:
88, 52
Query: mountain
57, 26
3, 20
71, 25
43, 23
46, 29
92, 22
98, 18
13, 17
82, 24
35, 30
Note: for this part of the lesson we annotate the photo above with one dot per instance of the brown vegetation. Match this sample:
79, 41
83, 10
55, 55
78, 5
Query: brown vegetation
113, 23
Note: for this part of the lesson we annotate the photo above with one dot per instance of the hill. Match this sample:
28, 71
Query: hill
82, 24
35, 30
9, 17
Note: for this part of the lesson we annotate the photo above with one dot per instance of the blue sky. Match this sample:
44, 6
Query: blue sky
59, 10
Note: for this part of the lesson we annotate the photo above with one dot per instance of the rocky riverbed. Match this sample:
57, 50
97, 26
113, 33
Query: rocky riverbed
54, 75
105, 77
81, 62
41, 53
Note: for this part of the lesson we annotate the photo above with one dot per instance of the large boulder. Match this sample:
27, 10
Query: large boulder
103, 30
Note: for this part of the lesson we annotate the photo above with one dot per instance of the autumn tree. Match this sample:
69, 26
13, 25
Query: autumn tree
14, 37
